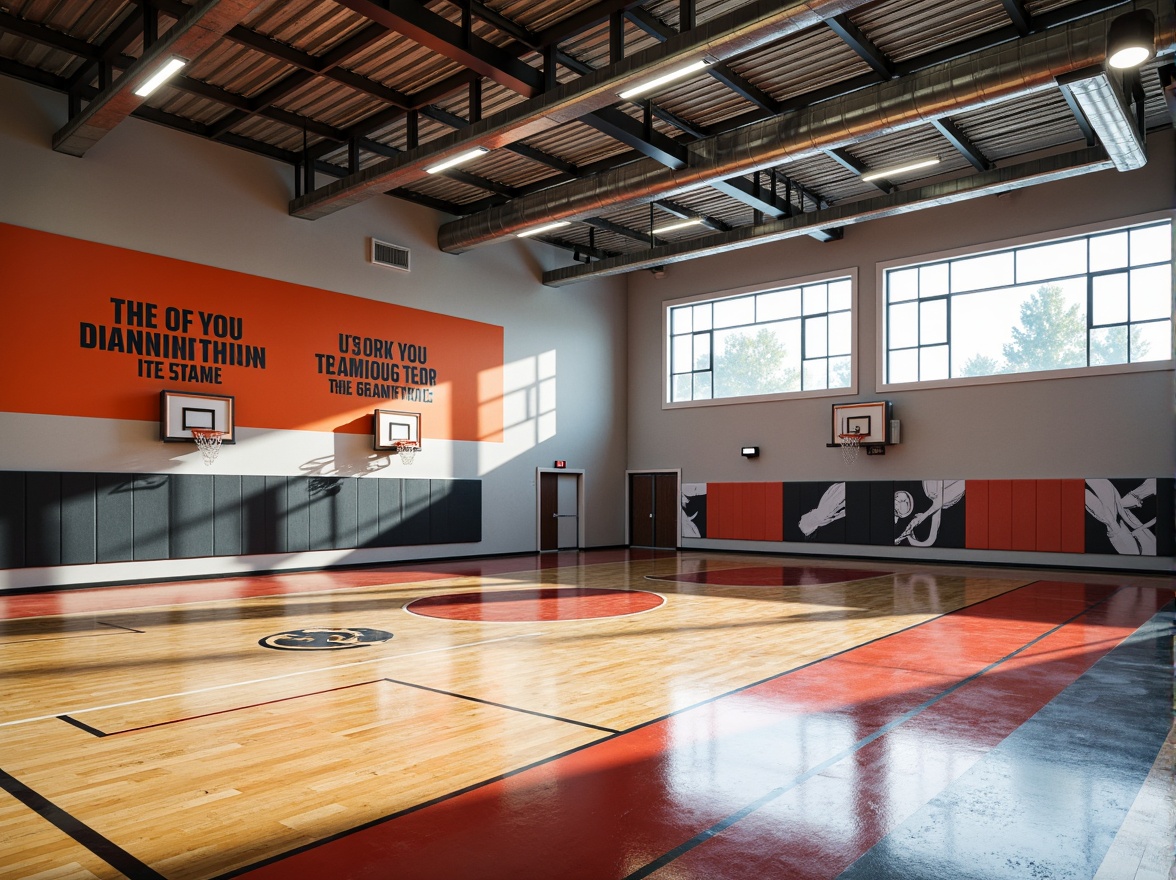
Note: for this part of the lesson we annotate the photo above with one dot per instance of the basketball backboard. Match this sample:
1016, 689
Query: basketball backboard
869, 420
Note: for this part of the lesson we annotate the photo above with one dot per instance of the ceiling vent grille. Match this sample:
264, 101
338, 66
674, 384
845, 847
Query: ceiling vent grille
391, 255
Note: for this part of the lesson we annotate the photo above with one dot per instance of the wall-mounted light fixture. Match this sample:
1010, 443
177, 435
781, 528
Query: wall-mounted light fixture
1131, 39
546, 227
749, 452
896, 170
664, 79
459, 159
162, 75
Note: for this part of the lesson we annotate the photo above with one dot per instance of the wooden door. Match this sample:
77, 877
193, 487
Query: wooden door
653, 510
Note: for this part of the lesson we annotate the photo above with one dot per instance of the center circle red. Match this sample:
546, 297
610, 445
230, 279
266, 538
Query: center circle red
544, 603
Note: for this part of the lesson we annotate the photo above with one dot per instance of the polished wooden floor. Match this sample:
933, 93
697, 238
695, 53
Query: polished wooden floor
535, 717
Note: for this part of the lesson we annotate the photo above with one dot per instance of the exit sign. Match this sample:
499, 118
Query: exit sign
560, 463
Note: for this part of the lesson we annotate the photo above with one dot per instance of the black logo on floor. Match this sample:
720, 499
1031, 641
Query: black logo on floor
327, 639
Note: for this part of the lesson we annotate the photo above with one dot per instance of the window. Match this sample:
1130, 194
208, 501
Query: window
783, 340
1092, 300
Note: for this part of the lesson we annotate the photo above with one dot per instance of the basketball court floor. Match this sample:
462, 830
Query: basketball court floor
594, 715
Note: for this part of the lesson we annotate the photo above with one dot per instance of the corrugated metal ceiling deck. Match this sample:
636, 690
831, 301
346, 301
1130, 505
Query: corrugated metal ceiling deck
336, 88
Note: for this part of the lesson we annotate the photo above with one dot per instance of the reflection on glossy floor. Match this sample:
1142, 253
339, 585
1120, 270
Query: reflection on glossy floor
596, 715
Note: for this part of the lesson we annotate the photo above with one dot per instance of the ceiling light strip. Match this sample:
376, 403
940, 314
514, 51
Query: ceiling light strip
673, 227
896, 170
162, 75
459, 159
658, 82
547, 227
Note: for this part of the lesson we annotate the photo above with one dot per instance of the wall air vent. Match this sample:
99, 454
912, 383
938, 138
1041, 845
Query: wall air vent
391, 255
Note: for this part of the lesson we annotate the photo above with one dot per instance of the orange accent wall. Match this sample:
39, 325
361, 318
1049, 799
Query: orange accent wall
74, 309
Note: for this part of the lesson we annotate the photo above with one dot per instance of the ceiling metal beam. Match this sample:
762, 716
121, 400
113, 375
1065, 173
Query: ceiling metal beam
962, 143
661, 31
735, 33
618, 229
326, 65
206, 23
1018, 15
645, 140
444, 37
1032, 173
853, 37
684, 213
54, 39
842, 157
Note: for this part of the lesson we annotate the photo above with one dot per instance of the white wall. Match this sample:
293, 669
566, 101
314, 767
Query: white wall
151, 189
1109, 426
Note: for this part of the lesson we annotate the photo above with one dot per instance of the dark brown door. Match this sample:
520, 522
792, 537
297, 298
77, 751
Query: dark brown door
548, 508
653, 510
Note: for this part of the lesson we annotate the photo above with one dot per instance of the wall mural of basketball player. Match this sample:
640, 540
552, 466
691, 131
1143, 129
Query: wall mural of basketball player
1121, 517
928, 513
694, 510
829, 509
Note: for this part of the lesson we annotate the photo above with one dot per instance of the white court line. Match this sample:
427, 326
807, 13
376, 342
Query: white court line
233, 684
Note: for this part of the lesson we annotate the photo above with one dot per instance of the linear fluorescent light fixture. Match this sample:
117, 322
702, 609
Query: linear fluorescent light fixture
899, 169
673, 227
1110, 117
459, 159
650, 85
546, 227
166, 72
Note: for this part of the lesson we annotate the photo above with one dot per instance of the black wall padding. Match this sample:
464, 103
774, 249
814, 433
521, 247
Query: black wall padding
51, 518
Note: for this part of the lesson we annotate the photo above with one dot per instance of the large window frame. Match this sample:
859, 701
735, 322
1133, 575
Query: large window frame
884, 349
808, 314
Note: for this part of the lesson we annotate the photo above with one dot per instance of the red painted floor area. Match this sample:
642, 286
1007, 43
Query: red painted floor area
795, 777
547, 603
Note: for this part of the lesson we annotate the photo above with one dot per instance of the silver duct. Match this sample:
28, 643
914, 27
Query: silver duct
987, 183
986, 77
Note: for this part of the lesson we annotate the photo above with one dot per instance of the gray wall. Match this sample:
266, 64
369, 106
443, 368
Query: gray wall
1108, 426
149, 189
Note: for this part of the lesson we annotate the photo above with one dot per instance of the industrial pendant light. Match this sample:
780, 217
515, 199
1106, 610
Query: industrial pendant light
1131, 39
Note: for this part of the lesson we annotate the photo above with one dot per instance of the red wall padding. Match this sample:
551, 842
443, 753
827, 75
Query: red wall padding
1042, 515
745, 511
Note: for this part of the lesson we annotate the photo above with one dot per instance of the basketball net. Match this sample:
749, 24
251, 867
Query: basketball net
209, 443
407, 451
851, 445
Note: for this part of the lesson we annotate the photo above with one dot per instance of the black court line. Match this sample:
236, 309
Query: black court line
503, 706
762, 801
119, 626
94, 731
109, 852
218, 712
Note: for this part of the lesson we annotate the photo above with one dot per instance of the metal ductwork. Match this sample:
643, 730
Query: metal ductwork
933, 195
967, 83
